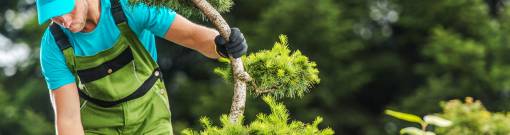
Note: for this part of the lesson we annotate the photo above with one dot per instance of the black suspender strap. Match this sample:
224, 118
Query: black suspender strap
64, 45
117, 12
107, 68
140, 91
60, 37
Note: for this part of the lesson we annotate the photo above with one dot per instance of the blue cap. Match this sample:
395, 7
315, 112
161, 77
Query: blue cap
47, 9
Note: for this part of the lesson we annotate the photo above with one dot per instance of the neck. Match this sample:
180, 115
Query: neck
93, 14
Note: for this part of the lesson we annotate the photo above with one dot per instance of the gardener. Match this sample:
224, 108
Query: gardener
98, 58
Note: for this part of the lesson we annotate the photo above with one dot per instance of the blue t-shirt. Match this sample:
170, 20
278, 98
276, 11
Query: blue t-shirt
144, 21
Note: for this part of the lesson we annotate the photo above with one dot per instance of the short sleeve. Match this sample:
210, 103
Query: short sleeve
53, 64
155, 19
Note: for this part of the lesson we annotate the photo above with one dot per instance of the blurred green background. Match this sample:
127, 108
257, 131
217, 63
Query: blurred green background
407, 55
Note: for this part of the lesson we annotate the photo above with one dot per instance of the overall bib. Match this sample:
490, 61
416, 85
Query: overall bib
121, 88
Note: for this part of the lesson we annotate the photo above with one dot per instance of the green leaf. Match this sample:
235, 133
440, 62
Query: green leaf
404, 116
415, 131
436, 120
411, 131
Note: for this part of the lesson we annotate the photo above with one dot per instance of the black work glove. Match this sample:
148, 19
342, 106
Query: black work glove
236, 47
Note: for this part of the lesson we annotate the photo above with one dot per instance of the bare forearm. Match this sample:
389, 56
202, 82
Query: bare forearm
193, 36
67, 126
66, 104
204, 41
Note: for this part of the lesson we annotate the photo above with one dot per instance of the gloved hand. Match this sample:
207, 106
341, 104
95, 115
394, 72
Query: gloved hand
236, 47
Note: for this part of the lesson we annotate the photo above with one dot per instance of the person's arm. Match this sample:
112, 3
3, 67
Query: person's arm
165, 23
66, 104
193, 36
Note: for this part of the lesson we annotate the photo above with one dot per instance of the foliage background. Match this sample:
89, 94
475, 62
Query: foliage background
407, 55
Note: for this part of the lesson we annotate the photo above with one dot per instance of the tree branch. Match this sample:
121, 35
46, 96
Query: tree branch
240, 76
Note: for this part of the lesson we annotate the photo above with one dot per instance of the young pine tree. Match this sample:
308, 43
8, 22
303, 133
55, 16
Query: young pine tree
277, 73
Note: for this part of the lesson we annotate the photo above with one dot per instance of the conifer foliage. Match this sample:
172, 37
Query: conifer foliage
278, 72
186, 7
276, 123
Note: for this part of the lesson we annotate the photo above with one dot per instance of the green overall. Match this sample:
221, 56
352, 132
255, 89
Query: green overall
121, 88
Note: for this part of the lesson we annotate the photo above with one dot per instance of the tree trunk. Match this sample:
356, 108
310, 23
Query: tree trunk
239, 75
